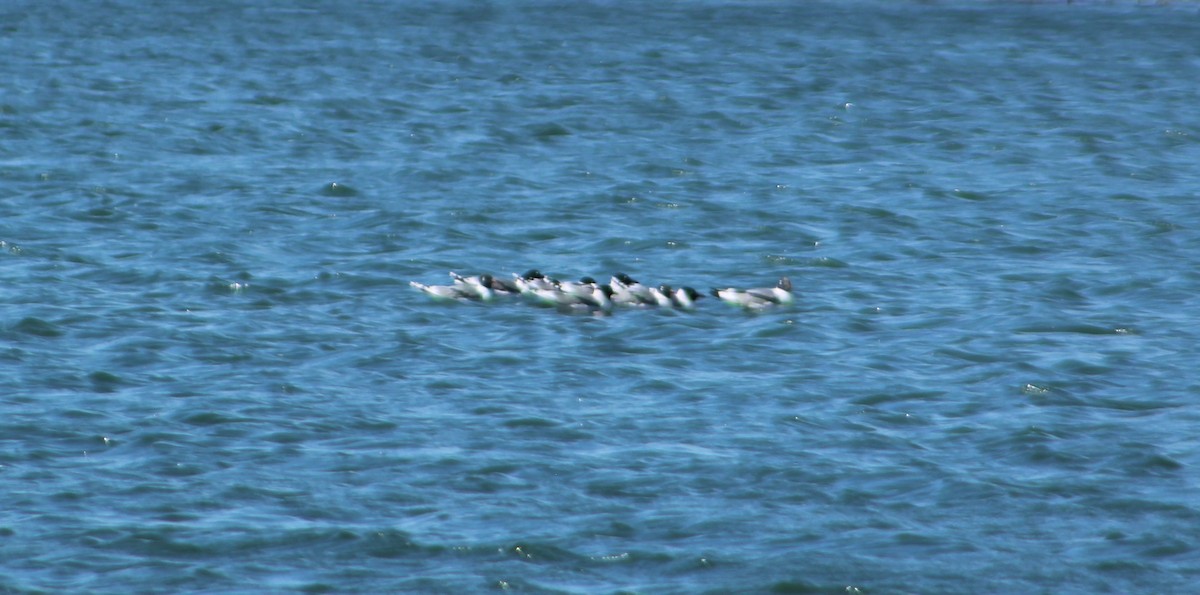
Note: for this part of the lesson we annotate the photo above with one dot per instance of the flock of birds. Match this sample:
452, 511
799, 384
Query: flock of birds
590, 296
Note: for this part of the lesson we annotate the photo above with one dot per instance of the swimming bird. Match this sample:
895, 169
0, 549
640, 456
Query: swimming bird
598, 302
685, 297
485, 282
661, 296
531, 280
500, 286
585, 286
629, 292
758, 298
448, 292
591, 298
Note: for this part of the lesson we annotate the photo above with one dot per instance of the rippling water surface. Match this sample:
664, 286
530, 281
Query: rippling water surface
215, 377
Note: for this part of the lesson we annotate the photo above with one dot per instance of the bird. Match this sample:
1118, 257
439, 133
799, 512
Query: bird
585, 286
479, 283
590, 298
448, 292
600, 298
629, 292
532, 279
685, 298
758, 298
662, 296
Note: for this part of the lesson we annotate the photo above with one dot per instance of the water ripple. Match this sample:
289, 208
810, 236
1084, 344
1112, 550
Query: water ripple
215, 373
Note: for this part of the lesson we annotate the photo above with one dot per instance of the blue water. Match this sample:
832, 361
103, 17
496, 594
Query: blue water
214, 376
